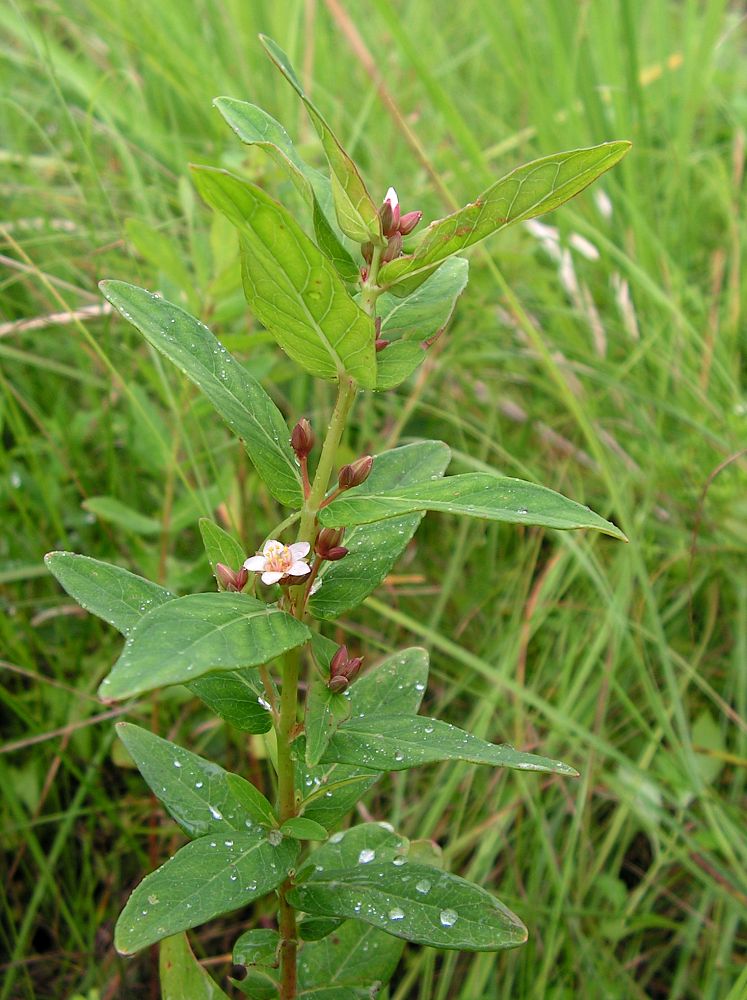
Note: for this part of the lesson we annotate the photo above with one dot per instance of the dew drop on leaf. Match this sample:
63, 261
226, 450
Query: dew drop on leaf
366, 856
448, 917
397, 914
423, 886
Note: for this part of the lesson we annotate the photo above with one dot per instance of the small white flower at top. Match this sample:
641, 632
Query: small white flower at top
278, 560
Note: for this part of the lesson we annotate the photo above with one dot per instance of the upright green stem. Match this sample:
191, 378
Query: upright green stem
292, 662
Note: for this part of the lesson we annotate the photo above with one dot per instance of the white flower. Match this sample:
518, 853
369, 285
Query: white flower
278, 560
391, 197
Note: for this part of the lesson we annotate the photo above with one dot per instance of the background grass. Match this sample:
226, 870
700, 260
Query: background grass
616, 379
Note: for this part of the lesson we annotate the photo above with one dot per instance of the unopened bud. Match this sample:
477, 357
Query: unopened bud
242, 578
355, 473
408, 222
389, 213
302, 438
338, 661
336, 553
394, 248
352, 667
377, 326
337, 684
381, 344
367, 250
225, 576
328, 538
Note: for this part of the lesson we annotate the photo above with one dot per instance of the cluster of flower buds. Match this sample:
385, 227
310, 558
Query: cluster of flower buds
394, 226
342, 670
302, 438
356, 473
327, 545
230, 579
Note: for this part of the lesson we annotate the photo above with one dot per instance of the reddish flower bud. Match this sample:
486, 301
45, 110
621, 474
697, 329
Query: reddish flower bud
355, 473
364, 274
367, 250
381, 344
242, 578
337, 684
328, 538
394, 248
302, 438
224, 575
338, 661
336, 553
408, 222
352, 667
389, 213
377, 327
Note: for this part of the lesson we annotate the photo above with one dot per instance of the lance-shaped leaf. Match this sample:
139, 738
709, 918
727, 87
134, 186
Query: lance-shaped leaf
239, 399
356, 955
356, 212
414, 902
428, 309
220, 547
396, 685
109, 592
396, 742
474, 494
291, 286
528, 191
374, 549
209, 877
325, 709
200, 795
256, 128
190, 636
182, 976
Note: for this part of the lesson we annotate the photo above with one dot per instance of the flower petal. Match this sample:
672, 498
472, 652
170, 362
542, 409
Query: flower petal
270, 546
391, 197
272, 577
255, 564
299, 568
299, 549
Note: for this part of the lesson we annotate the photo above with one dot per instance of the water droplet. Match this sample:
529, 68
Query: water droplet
252, 886
228, 843
234, 877
152, 899
398, 755
420, 686
398, 862
522, 510
198, 784
366, 856
215, 813
423, 886
177, 763
274, 837
429, 729
397, 914
336, 837
448, 917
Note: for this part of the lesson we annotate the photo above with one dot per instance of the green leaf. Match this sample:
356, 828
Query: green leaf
209, 877
425, 312
256, 128
251, 800
397, 742
396, 685
182, 976
200, 795
239, 399
375, 548
414, 902
258, 946
360, 845
290, 285
234, 696
474, 494
259, 984
220, 547
110, 592
528, 191
190, 636
339, 993
356, 212
356, 955
302, 828
115, 512
397, 362
324, 709
316, 928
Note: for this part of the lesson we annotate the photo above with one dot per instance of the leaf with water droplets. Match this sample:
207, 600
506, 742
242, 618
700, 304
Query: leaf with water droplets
290, 285
474, 494
181, 975
110, 592
452, 913
193, 635
239, 399
258, 946
209, 877
235, 696
525, 193
198, 794
397, 742
360, 845
375, 548
355, 955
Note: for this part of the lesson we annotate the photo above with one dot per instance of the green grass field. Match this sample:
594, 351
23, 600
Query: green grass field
614, 374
